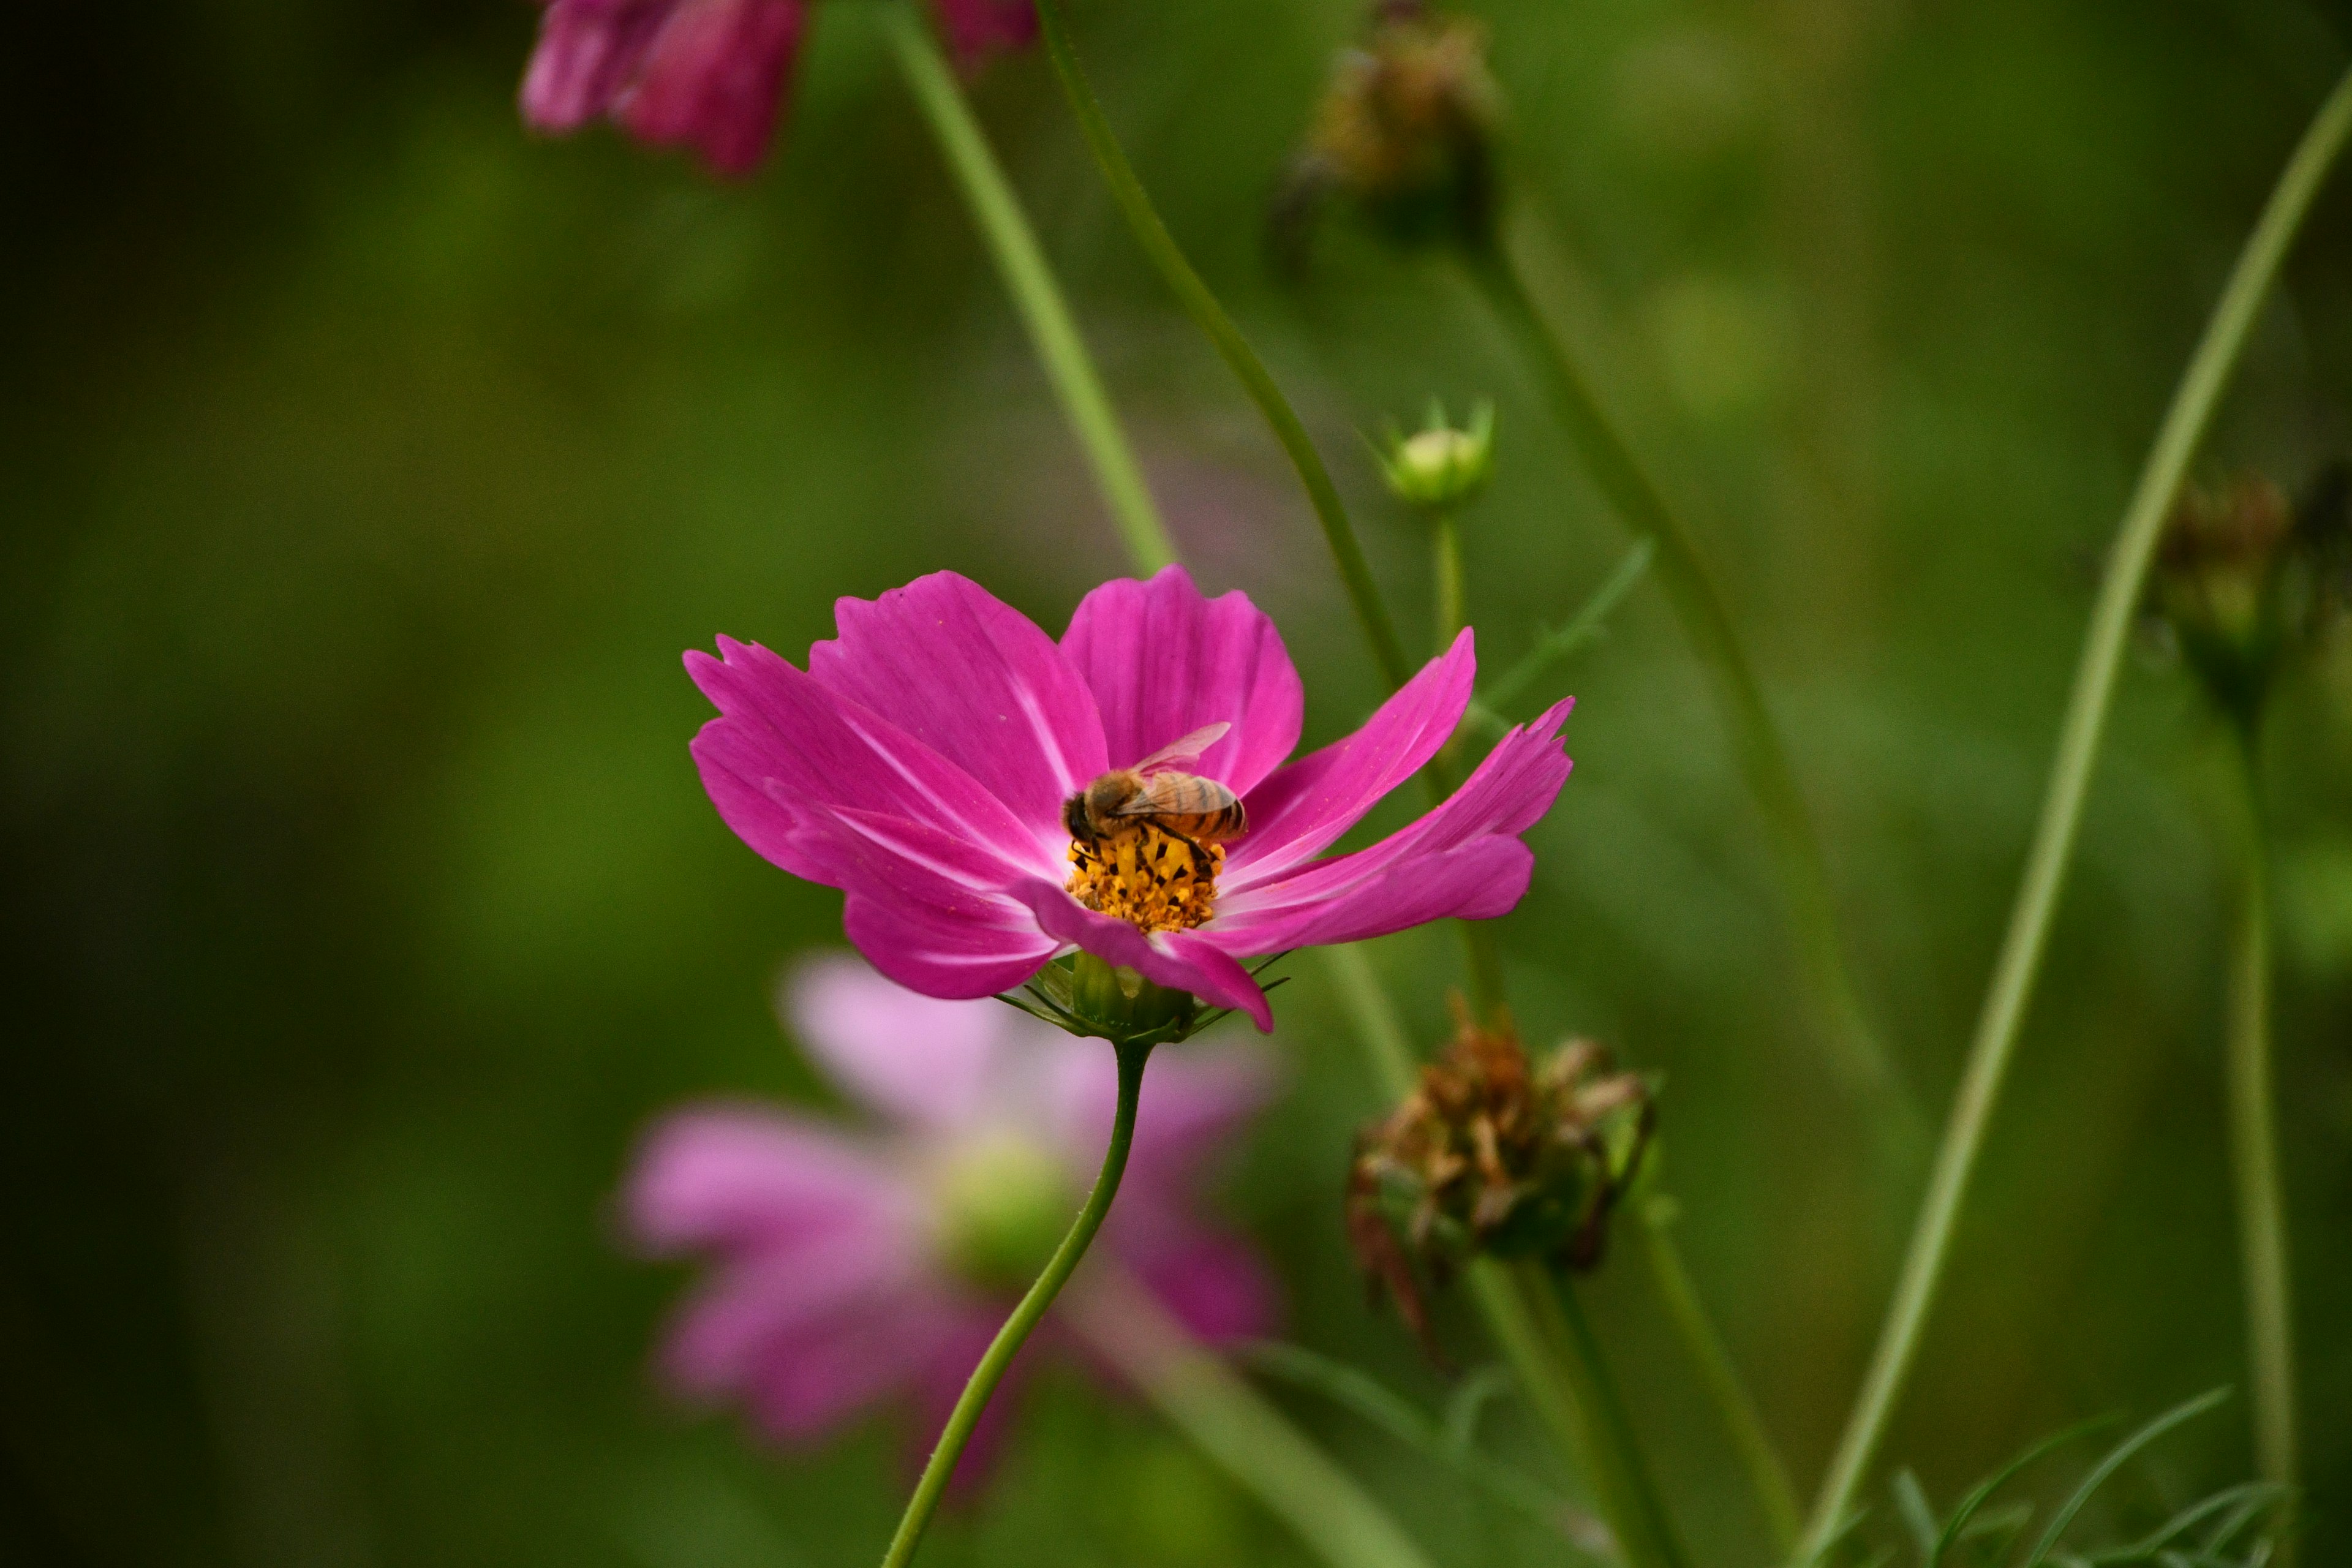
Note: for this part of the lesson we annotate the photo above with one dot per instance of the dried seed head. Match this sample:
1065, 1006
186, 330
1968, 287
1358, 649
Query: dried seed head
1493, 1154
1405, 132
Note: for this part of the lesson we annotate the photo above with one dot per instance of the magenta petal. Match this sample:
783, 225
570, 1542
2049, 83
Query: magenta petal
974, 27
908, 1055
1302, 809
729, 1176
771, 1304
1162, 662
822, 1371
786, 749
714, 78
1216, 1286
1479, 881
588, 50
971, 677
1179, 960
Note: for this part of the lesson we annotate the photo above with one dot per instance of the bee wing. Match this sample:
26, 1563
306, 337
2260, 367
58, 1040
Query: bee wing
1176, 794
1188, 750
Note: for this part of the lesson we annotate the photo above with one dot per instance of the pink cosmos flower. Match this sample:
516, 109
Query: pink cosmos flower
848, 1266
923, 759
709, 74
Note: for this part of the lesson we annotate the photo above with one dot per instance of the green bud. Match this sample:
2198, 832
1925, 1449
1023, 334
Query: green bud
1003, 1205
1439, 468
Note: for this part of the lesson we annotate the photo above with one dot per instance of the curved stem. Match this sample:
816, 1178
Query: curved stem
2061, 807
1160, 246
1236, 1427
1766, 1474
1860, 1060
1021, 263
2254, 1158
1016, 1330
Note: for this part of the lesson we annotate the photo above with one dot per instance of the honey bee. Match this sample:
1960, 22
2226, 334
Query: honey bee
1156, 792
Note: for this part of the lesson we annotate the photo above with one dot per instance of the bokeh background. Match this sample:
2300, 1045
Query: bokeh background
367, 463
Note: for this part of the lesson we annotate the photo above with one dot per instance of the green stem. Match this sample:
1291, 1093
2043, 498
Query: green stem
1236, 1427
1447, 571
1859, 1058
1741, 1419
2062, 808
1016, 1330
1629, 1499
1377, 1024
2254, 1159
1012, 243
1160, 246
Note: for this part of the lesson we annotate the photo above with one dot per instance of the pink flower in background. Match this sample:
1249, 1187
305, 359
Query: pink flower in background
923, 760
708, 74
851, 1266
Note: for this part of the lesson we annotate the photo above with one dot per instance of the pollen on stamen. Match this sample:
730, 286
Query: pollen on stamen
1146, 876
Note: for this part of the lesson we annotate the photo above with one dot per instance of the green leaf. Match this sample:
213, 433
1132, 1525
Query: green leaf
1954, 1526
2117, 1459
1911, 1505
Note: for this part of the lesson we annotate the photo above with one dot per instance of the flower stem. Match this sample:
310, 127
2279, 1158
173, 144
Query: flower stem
1543, 1327
1766, 1474
1860, 1060
2062, 808
1236, 1427
1160, 245
1012, 243
1446, 571
1016, 1330
2254, 1158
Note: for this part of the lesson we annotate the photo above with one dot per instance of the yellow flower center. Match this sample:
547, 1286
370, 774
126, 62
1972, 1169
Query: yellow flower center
1146, 876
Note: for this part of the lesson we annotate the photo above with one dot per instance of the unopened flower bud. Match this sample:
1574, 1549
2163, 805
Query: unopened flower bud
1439, 468
1498, 1156
1405, 132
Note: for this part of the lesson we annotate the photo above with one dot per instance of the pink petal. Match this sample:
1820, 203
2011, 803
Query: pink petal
1302, 809
976, 26
914, 1058
588, 50
1217, 1285
1479, 881
1179, 960
756, 1313
786, 752
975, 680
1507, 793
1162, 662
734, 1176
825, 1370
940, 1379
714, 78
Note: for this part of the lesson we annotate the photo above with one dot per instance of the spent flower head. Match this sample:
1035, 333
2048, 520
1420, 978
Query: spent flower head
712, 75
1104, 829
1404, 135
1495, 1155
851, 1264
1439, 468
2245, 580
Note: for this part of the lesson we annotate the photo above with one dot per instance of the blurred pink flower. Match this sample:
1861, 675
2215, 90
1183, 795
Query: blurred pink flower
848, 1266
922, 762
708, 74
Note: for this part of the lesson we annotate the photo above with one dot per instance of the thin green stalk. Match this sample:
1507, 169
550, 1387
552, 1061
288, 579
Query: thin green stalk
1012, 243
1160, 246
1859, 1057
1446, 569
2062, 808
1016, 1330
1621, 1478
1377, 1024
1236, 1427
1741, 1419
2255, 1160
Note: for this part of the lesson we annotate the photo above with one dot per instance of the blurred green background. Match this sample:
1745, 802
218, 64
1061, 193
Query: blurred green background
367, 463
